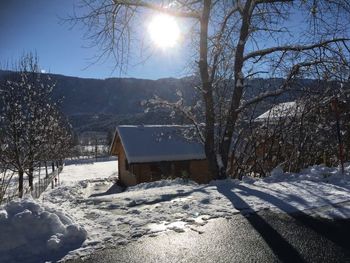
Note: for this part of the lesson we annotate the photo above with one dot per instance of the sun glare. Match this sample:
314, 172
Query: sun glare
164, 31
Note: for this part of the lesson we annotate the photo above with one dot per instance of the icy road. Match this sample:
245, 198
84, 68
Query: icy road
262, 237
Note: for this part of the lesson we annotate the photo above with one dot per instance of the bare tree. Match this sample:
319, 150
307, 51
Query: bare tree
232, 42
59, 139
295, 134
31, 127
5, 180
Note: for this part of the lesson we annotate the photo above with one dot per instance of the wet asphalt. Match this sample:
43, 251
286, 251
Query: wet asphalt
262, 237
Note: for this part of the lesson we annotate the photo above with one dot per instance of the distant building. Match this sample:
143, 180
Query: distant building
153, 152
280, 111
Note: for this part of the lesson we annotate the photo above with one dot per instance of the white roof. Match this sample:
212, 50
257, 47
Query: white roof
155, 143
281, 110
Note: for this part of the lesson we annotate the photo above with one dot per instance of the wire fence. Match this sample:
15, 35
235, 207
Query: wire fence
89, 160
42, 184
38, 188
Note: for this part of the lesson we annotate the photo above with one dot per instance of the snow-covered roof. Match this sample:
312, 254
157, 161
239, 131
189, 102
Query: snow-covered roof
155, 143
281, 110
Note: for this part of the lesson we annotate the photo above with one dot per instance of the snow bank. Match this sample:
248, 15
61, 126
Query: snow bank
315, 173
162, 183
31, 232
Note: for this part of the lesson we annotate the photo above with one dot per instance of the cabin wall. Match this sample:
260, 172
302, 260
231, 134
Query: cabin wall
149, 172
125, 176
196, 170
199, 170
143, 172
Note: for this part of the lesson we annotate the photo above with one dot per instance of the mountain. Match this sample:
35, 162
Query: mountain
114, 95
101, 104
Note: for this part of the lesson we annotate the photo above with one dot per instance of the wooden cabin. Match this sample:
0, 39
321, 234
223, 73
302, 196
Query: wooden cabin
154, 152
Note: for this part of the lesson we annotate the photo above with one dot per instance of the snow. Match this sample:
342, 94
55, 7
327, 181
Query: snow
285, 109
31, 232
91, 170
154, 143
111, 216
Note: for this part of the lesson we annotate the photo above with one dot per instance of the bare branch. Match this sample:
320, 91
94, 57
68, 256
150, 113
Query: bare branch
159, 8
283, 88
179, 108
297, 48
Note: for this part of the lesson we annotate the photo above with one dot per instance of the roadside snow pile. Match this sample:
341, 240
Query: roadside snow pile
316, 173
31, 232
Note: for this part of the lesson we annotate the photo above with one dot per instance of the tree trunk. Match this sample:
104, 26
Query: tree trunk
46, 172
39, 176
209, 144
53, 166
31, 177
20, 184
225, 143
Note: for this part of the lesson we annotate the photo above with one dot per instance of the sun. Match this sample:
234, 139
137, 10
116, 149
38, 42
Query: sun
164, 31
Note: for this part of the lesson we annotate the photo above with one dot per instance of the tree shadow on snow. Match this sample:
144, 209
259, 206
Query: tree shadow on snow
114, 189
282, 249
166, 197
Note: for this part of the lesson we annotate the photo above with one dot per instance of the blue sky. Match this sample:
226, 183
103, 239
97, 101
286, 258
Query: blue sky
35, 25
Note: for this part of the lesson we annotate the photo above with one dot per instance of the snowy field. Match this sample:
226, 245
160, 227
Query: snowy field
101, 214
87, 171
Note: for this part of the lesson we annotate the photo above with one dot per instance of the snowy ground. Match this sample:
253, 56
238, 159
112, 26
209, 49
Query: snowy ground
88, 195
